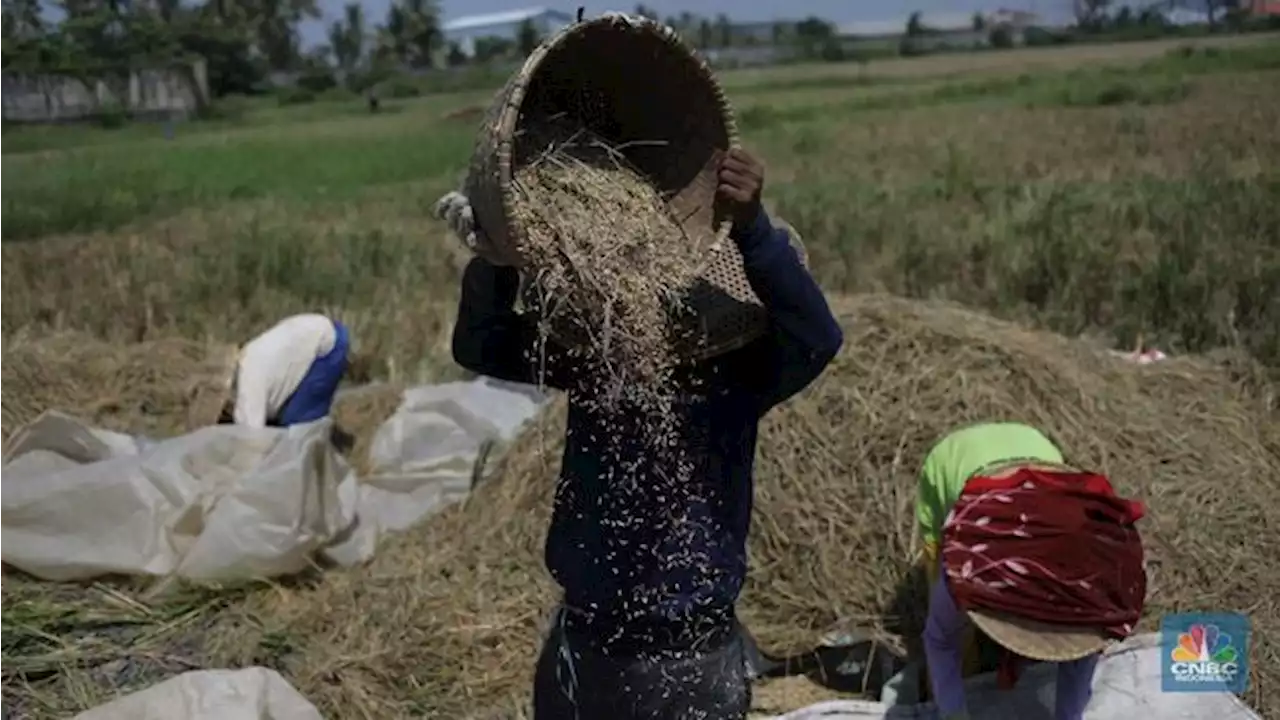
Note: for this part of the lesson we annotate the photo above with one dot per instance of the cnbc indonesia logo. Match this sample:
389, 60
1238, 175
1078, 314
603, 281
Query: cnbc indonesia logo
1205, 654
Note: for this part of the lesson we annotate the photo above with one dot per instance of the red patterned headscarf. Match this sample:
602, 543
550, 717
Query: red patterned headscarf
1052, 546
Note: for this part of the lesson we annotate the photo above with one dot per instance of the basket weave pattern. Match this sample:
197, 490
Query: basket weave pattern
629, 80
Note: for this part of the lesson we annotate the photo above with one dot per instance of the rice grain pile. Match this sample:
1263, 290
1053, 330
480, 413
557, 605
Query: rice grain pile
610, 267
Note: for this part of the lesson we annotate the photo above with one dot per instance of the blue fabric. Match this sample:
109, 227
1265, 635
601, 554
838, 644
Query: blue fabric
633, 576
314, 397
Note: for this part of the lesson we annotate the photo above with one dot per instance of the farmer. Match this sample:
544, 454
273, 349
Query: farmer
1042, 558
289, 374
647, 626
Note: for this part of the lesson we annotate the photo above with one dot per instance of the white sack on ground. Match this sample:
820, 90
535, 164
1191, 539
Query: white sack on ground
228, 502
254, 693
1126, 686
222, 503
428, 453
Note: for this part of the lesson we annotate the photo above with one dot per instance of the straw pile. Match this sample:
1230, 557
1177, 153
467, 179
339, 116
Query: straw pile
450, 616
611, 267
144, 388
361, 411
159, 388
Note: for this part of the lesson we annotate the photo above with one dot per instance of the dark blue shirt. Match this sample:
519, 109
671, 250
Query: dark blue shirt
650, 557
313, 399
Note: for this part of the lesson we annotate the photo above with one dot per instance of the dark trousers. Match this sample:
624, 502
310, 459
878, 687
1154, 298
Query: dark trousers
576, 681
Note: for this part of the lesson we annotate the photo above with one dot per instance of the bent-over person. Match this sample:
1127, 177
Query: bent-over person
289, 374
1028, 557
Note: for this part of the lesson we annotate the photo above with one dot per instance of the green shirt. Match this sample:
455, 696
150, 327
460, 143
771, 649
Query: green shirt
960, 455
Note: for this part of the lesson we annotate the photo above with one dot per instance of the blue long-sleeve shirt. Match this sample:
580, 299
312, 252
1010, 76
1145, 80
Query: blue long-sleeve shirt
943, 633
645, 563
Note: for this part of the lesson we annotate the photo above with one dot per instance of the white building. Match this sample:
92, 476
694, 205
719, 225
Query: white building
464, 31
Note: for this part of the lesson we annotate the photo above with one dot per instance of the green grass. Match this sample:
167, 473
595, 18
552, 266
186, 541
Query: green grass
1097, 199
104, 187
320, 154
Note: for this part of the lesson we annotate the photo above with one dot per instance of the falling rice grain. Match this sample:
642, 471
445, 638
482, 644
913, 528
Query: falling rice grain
612, 267
611, 271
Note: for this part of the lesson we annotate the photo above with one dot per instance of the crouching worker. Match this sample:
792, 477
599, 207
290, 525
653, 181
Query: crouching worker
647, 626
1042, 559
289, 374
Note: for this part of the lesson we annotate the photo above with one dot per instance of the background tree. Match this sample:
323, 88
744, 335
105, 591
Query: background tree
1091, 15
492, 48
915, 24
411, 35
724, 30
779, 33
1001, 37
1124, 18
28, 45
687, 24
456, 57
527, 38
706, 34
815, 38
347, 39
276, 29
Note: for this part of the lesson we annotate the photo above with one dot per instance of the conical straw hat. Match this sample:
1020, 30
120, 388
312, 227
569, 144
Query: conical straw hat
1038, 640
1030, 638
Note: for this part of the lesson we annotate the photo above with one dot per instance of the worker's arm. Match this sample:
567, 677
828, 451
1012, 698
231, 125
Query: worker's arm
930, 562
1074, 687
943, 643
491, 338
804, 334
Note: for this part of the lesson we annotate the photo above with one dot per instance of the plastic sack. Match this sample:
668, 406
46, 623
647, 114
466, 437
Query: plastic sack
222, 503
436, 446
1127, 681
254, 693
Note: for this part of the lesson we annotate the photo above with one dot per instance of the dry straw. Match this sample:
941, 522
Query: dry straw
447, 620
158, 388
148, 388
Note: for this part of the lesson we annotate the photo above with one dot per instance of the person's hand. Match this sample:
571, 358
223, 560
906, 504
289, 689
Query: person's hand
741, 182
455, 210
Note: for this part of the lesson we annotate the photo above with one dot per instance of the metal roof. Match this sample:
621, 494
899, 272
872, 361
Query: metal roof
505, 17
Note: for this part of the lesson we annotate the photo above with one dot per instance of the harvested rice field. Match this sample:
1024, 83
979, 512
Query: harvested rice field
984, 229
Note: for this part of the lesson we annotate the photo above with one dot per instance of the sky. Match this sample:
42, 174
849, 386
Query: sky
837, 11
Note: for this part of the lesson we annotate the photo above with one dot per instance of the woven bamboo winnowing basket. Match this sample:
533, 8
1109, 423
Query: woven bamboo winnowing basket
628, 80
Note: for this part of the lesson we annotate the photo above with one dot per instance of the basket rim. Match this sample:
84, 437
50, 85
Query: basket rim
510, 114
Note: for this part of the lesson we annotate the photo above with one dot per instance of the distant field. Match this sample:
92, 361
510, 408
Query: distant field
1018, 60
1124, 199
